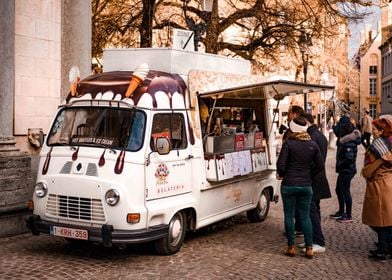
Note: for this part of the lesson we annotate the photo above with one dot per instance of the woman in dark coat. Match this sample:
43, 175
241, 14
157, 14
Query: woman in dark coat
299, 157
346, 156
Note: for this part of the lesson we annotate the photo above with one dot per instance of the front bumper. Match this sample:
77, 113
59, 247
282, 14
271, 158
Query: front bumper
105, 234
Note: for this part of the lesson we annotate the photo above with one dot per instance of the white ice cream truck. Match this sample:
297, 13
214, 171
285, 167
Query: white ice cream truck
164, 141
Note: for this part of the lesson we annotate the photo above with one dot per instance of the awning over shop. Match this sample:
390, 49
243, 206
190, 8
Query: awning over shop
272, 89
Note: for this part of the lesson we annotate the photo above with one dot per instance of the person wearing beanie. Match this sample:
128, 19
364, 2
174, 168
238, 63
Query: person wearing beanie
346, 155
293, 112
298, 158
336, 128
377, 206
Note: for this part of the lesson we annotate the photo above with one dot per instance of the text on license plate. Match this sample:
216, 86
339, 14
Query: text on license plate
69, 232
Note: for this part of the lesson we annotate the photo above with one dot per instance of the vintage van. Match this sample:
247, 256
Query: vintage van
164, 141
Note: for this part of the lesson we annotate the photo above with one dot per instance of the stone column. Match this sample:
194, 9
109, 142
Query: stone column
75, 41
15, 167
7, 76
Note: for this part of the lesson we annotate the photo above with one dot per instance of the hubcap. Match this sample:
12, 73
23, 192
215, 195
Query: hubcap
175, 230
262, 205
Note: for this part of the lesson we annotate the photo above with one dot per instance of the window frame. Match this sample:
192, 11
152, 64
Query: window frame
373, 86
373, 110
169, 133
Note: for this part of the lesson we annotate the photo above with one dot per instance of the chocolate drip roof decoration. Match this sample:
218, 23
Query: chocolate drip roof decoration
142, 87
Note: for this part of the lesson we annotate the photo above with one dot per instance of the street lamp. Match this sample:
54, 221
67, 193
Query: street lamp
198, 28
304, 42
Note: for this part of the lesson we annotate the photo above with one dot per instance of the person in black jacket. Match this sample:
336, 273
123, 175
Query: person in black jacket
346, 156
299, 157
320, 186
293, 112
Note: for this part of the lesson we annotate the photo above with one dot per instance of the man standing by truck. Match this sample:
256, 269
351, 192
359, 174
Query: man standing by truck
320, 186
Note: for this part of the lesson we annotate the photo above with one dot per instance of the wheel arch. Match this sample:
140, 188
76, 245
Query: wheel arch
190, 213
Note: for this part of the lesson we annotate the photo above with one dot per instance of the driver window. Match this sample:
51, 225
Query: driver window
171, 126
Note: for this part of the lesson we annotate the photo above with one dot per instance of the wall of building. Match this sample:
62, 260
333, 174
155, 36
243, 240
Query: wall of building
386, 53
37, 63
33, 59
386, 94
370, 56
50, 37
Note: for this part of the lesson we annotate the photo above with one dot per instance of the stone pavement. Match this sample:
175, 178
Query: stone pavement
234, 249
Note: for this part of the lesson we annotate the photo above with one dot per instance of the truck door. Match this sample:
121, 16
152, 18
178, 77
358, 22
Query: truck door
170, 174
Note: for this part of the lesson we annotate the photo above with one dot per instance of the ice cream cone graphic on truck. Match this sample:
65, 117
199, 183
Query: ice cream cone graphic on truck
138, 77
74, 78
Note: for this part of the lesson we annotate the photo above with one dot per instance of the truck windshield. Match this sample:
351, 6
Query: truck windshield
113, 128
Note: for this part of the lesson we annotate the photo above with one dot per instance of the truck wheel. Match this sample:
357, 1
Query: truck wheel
172, 243
259, 213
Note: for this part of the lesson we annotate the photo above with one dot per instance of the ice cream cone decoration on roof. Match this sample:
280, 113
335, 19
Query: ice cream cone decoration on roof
74, 78
138, 77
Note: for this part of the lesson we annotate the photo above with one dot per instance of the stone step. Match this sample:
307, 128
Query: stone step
13, 223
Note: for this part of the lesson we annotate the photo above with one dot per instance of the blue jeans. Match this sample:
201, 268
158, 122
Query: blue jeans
343, 193
297, 198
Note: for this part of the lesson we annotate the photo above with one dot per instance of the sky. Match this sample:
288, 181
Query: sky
355, 29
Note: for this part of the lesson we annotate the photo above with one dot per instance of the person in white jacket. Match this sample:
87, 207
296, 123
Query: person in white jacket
366, 129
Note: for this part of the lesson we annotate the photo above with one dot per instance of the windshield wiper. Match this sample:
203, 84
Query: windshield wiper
99, 145
63, 144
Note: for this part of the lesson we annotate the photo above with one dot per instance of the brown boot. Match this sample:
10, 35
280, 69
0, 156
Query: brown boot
290, 251
309, 252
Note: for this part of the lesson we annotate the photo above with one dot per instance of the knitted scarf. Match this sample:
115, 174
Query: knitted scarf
301, 136
378, 148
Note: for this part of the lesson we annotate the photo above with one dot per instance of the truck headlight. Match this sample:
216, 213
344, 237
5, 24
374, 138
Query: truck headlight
40, 189
112, 197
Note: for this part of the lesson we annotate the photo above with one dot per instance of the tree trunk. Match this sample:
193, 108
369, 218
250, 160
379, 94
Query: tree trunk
145, 29
212, 34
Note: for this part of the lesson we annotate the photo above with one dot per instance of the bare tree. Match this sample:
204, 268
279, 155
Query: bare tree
265, 26
115, 23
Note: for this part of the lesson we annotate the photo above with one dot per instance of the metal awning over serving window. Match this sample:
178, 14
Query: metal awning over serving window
272, 89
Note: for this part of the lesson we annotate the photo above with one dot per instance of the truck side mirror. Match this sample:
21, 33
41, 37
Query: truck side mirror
162, 146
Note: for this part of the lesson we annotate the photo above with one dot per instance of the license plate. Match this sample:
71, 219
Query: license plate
69, 232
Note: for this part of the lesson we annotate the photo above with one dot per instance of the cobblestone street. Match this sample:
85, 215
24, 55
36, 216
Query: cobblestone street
233, 249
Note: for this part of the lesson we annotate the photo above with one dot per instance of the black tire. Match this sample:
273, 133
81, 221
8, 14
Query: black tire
172, 243
259, 213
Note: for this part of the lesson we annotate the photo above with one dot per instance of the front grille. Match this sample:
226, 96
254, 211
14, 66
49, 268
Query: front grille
92, 169
76, 208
